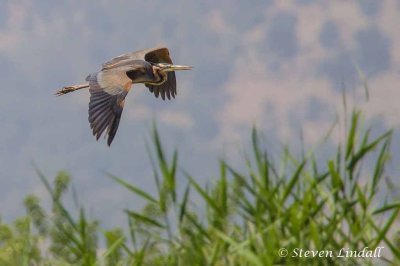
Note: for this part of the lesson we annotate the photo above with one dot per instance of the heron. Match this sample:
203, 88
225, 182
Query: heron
109, 86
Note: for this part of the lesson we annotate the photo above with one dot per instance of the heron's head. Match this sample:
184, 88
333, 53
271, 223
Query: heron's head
160, 72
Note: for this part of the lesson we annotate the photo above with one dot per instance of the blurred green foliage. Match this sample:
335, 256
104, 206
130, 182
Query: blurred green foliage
239, 219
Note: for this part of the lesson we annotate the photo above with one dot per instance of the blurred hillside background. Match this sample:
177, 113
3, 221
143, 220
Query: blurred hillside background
281, 65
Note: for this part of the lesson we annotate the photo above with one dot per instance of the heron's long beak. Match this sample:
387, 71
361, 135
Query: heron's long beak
168, 67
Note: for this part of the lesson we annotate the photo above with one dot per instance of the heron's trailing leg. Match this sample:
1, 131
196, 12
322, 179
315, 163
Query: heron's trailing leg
72, 88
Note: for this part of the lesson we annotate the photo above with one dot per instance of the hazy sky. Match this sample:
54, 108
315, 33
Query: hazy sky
280, 65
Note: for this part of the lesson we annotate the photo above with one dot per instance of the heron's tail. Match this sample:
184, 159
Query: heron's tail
72, 88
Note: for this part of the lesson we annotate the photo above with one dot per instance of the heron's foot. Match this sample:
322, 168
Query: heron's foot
69, 89
65, 90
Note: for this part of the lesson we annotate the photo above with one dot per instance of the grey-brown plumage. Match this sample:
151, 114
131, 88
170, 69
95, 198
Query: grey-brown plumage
109, 86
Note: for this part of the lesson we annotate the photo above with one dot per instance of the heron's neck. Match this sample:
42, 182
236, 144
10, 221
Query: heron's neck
159, 77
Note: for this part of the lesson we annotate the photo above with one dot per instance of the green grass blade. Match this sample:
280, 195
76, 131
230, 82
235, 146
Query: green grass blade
292, 182
182, 210
144, 219
203, 193
383, 231
387, 207
112, 248
352, 134
134, 189
367, 148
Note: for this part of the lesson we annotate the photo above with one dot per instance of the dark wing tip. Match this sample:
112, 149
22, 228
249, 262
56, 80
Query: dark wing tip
113, 129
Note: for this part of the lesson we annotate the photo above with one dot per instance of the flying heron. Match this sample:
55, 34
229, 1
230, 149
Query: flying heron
109, 86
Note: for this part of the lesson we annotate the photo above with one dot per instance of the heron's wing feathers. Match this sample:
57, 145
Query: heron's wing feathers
105, 107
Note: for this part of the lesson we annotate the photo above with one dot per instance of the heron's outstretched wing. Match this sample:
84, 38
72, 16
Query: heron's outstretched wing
107, 99
153, 55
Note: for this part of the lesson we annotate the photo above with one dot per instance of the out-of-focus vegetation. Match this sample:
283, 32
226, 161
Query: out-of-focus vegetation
240, 218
